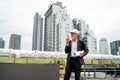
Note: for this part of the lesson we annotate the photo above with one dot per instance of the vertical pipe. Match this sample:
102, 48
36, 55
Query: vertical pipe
94, 71
114, 73
84, 73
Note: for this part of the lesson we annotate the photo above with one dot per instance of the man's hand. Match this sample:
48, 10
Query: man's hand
67, 40
81, 55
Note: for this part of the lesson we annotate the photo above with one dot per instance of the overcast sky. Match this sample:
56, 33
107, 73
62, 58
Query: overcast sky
16, 16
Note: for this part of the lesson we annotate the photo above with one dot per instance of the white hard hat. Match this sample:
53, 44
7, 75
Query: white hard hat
74, 31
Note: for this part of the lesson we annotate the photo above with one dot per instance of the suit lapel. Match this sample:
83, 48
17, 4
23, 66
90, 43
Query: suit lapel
70, 46
78, 45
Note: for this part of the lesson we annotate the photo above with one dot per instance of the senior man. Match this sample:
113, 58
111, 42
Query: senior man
76, 50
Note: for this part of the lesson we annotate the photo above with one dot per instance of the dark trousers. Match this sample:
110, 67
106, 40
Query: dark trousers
73, 66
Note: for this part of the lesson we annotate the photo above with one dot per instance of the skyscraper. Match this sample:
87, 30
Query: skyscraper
81, 26
2, 43
37, 41
115, 47
103, 46
57, 25
85, 34
15, 42
118, 52
90, 41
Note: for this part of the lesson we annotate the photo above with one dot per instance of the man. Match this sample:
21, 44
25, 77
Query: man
74, 63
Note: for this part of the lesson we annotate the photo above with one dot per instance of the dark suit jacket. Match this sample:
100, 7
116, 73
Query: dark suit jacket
80, 46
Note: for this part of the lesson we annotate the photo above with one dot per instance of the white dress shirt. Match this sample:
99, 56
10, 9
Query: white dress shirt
73, 48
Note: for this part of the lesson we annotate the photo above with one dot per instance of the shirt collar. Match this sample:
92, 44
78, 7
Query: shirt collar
75, 41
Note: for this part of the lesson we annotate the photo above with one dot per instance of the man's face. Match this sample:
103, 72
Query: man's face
74, 36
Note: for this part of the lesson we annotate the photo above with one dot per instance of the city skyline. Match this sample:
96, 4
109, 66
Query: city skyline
19, 20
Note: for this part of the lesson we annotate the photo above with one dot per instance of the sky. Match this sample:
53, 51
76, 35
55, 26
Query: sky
16, 16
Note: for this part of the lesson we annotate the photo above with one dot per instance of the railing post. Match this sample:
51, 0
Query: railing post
84, 73
114, 73
94, 71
